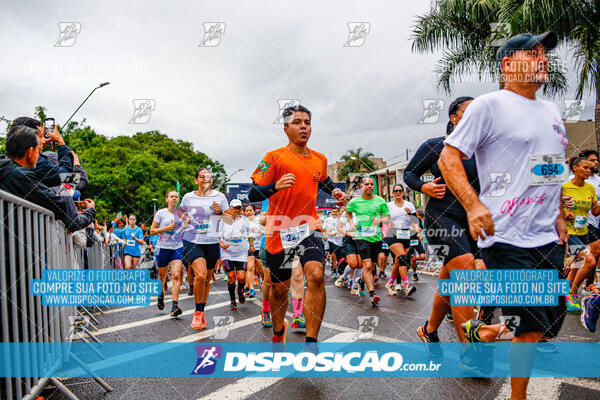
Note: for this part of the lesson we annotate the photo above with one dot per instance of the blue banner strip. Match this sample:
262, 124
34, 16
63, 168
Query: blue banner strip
328, 360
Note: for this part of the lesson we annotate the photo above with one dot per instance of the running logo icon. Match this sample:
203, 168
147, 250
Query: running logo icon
431, 111
573, 110
357, 33
366, 326
68, 34
213, 31
207, 359
283, 104
438, 252
142, 110
499, 183
222, 326
511, 323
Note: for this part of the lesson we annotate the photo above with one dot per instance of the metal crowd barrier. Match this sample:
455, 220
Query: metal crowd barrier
31, 240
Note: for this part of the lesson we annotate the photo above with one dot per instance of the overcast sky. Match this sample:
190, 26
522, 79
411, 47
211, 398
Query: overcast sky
224, 98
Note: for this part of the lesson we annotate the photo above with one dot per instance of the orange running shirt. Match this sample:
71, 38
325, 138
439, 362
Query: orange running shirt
296, 205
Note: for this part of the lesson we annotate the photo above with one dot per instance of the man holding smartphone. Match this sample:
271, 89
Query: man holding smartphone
47, 172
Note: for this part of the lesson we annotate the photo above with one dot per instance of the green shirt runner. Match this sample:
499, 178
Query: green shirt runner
365, 210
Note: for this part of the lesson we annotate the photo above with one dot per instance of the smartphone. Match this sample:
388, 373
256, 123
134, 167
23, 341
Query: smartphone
48, 127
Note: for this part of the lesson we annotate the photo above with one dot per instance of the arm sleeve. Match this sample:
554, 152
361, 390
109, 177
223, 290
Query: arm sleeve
421, 162
62, 206
261, 192
65, 159
327, 185
473, 129
46, 172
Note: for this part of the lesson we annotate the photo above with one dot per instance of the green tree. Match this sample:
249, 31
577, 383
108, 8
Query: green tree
356, 161
127, 172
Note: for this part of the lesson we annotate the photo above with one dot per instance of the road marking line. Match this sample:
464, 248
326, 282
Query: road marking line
147, 321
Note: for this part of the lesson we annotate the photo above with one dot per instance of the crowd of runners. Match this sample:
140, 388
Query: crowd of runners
488, 208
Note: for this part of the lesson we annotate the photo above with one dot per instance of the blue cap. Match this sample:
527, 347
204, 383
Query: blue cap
526, 41
76, 194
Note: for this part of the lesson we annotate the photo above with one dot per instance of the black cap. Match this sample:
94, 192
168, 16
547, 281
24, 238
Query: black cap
526, 41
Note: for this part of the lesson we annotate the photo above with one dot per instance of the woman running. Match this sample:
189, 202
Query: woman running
398, 238
444, 216
235, 241
201, 210
133, 237
169, 250
351, 254
584, 201
254, 262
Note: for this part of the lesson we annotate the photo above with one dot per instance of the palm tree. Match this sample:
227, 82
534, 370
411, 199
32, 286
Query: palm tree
462, 28
469, 33
356, 161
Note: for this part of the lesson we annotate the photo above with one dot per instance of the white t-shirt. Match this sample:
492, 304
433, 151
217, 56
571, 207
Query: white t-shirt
331, 223
256, 229
236, 236
169, 239
503, 129
594, 180
398, 215
202, 228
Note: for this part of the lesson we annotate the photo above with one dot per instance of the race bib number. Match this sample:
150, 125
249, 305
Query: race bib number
414, 242
403, 234
130, 242
236, 240
203, 228
291, 237
368, 231
580, 222
547, 169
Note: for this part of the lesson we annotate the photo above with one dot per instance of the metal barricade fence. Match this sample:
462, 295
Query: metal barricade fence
31, 240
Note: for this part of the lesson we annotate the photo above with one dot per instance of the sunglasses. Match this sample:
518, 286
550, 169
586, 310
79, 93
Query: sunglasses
398, 191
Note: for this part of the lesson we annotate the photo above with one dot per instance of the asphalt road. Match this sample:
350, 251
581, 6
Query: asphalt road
399, 318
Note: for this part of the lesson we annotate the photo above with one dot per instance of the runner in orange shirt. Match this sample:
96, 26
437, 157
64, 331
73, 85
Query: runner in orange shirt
290, 178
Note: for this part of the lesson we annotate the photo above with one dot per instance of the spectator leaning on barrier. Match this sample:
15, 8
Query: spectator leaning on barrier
48, 173
17, 176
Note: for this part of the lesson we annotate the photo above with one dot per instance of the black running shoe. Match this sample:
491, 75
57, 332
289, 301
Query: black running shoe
431, 340
161, 301
449, 316
191, 291
176, 311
